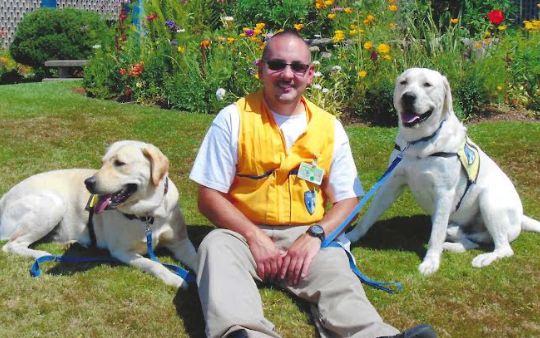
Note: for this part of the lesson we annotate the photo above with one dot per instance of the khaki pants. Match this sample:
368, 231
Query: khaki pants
231, 301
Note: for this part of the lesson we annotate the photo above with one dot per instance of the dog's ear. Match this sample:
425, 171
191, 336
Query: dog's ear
159, 163
447, 105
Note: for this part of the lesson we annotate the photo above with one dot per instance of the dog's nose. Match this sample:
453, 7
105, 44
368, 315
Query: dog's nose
408, 98
90, 183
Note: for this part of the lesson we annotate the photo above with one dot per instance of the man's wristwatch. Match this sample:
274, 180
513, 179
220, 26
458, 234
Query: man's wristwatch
316, 231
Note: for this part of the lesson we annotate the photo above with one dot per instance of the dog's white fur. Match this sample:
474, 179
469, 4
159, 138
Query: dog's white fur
53, 203
491, 210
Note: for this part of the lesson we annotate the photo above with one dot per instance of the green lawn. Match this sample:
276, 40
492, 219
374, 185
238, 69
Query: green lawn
49, 126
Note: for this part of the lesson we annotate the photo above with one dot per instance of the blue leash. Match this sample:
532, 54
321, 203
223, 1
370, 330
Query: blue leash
35, 270
331, 242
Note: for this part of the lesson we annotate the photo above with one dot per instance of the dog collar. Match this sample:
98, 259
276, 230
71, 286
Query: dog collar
428, 137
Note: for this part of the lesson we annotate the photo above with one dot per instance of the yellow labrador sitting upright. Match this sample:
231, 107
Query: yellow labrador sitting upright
469, 198
132, 185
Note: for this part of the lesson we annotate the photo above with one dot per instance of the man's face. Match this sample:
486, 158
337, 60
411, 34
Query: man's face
286, 72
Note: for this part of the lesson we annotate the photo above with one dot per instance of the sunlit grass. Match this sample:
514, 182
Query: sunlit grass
49, 126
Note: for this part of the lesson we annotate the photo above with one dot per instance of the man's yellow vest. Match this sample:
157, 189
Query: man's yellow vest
266, 188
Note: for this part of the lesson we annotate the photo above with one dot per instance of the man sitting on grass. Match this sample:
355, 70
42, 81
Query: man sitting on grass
266, 169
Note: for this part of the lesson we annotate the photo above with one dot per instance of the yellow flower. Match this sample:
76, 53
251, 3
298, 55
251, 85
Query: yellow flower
387, 57
181, 49
501, 27
328, 2
353, 32
332, 16
383, 48
298, 26
392, 25
368, 45
454, 21
362, 74
243, 35
260, 26
528, 25
500, 87
369, 19
393, 8
231, 40
318, 5
392, 2
347, 10
487, 34
338, 36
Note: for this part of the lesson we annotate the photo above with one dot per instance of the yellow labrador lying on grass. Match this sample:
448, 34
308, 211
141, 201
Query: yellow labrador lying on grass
469, 198
132, 184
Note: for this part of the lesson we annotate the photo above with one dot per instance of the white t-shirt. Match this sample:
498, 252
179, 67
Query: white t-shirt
215, 165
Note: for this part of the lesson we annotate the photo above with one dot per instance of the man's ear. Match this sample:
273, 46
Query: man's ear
159, 163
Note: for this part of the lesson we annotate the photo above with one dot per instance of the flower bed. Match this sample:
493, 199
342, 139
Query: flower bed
200, 55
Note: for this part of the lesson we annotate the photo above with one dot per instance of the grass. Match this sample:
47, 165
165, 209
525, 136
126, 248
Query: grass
49, 126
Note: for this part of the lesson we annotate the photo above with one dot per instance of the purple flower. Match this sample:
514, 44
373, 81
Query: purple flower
171, 25
249, 32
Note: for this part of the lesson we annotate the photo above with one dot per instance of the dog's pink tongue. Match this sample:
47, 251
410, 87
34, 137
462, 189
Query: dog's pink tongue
409, 118
102, 203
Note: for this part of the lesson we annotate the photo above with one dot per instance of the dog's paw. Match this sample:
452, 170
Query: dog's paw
428, 266
486, 259
454, 247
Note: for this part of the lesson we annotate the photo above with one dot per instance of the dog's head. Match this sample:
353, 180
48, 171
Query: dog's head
131, 173
423, 99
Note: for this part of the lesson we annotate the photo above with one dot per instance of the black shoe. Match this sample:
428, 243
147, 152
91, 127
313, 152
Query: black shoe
418, 331
238, 334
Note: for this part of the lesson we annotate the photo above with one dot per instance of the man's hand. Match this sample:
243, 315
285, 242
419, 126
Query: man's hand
298, 259
268, 258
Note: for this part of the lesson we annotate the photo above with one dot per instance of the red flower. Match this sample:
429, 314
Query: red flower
136, 69
496, 17
151, 17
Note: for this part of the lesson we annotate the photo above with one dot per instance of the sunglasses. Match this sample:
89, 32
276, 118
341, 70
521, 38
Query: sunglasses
279, 65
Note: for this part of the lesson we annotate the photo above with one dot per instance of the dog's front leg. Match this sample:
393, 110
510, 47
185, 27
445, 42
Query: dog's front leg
148, 265
439, 221
382, 201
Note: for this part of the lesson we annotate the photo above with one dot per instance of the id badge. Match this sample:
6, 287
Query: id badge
311, 173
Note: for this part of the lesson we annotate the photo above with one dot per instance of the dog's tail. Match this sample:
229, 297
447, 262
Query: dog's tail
530, 224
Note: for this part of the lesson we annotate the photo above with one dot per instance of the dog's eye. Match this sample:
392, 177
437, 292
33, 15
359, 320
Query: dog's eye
403, 82
118, 163
427, 84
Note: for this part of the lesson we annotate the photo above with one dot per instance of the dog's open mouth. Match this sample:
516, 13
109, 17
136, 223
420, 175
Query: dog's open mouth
410, 119
111, 201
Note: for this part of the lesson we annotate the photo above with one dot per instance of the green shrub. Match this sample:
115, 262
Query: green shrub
46, 34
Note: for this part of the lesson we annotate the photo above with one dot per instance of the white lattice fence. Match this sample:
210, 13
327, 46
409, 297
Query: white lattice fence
12, 12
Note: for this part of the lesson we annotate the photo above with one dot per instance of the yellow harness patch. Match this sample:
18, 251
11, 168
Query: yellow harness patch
469, 157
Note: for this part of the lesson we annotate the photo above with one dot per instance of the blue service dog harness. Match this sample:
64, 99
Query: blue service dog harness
35, 270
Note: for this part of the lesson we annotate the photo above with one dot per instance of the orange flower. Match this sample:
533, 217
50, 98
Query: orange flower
122, 71
454, 21
393, 8
205, 43
298, 26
